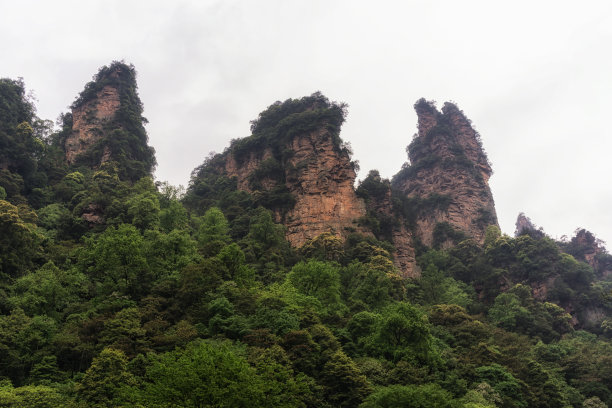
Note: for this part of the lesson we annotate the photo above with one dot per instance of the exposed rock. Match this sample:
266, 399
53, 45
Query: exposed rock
93, 214
245, 169
89, 120
523, 225
401, 237
107, 124
449, 169
324, 189
296, 165
587, 248
320, 178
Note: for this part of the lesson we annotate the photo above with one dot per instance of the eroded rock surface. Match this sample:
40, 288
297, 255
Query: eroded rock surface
449, 171
320, 178
89, 120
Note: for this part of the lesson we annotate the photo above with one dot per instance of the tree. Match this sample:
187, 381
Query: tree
18, 240
102, 383
403, 333
504, 383
116, 260
213, 233
168, 253
124, 332
234, 260
31, 396
203, 375
48, 290
345, 385
410, 396
318, 279
143, 210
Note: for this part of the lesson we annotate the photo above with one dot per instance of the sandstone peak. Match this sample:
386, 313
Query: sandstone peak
296, 165
107, 124
447, 178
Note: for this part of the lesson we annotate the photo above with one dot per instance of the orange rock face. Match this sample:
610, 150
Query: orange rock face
89, 120
320, 178
324, 188
447, 161
313, 178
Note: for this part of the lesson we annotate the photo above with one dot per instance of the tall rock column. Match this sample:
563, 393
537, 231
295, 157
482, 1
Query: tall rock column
296, 165
107, 124
89, 121
446, 182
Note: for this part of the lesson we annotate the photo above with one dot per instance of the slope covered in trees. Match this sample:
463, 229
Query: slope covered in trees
116, 291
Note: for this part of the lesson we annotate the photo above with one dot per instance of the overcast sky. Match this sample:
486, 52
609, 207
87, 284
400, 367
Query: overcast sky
535, 78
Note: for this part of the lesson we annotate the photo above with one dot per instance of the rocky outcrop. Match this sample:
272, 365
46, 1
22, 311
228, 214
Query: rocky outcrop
323, 183
107, 125
392, 226
587, 248
523, 225
319, 177
447, 179
295, 164
89, 121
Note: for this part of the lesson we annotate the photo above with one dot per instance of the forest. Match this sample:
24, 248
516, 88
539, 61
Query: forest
120, 291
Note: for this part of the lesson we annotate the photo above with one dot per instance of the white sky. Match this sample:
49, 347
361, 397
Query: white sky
535, 77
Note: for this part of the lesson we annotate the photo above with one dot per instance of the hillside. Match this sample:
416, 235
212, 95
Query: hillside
274, 281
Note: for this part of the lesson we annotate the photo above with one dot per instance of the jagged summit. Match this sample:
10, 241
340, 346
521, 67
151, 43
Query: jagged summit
450, 170
296, 165
107, 124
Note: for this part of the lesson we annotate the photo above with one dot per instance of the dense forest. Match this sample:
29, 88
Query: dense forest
119, 291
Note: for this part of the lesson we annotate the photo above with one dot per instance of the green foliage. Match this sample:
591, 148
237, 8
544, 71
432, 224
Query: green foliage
143, 209
318, 279
281, 121
203, 374
324, 247
47, 291
213, 233
31, 396
412, 396
116, 260
102, 383
19, 239
444, 232
118, 291
369, 284
503, 383
345, 385
403, 332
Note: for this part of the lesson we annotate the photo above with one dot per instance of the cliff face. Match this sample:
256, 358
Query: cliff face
319, 176
295, 164
381, 205
107, 124
323, 185
447, 179
89, 121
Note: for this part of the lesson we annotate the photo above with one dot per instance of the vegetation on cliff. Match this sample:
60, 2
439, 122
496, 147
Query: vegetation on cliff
128, 293
123, 137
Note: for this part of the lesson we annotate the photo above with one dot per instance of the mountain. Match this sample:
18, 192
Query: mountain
449, 171
274, 280
107, 124
296, 165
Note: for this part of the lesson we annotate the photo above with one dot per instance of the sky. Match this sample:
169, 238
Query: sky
535, 78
